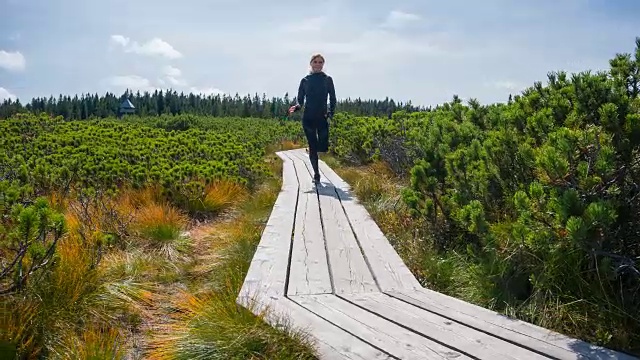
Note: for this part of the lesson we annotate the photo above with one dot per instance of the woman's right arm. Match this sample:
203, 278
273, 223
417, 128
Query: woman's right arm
301, 93
299, 98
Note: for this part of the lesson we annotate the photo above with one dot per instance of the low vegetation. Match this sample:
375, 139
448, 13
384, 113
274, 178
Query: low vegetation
131, 239
531, 208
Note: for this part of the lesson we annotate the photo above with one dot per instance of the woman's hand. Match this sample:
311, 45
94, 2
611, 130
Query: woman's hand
293, 109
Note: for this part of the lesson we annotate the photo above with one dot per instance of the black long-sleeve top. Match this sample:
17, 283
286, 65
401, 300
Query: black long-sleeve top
315, 87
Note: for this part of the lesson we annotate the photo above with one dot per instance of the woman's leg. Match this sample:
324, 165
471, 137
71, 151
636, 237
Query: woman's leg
310, 132
323, 135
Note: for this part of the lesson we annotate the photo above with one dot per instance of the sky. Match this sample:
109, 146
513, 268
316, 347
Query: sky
421, 51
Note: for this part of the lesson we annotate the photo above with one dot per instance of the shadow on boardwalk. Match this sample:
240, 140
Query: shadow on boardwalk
327, 189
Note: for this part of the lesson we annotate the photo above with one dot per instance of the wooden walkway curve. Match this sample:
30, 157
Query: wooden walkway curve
324, 265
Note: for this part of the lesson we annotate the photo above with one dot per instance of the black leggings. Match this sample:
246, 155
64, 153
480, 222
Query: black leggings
317, 132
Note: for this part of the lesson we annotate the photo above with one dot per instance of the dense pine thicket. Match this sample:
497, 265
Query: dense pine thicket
541, 196
91, 160
170, 102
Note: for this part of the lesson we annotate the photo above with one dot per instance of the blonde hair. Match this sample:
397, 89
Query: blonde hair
313, 57
316, 55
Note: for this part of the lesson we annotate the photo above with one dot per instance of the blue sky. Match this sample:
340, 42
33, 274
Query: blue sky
419, 50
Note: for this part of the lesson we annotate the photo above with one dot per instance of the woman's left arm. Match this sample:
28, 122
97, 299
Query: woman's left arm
332, 97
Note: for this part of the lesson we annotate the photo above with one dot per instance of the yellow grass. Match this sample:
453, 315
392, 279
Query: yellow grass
57, 201
289, 145
222, 194
132, 199
160, 222
16, 315
207, 322
96, 342
72, 278
82, 309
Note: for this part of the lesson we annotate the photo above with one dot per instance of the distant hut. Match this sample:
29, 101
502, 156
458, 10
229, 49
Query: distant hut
126, 107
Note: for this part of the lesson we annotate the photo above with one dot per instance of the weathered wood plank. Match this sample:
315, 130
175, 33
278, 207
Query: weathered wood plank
520, 332
349, 269
389, 270
301, 154
440, 329
330, 341
309, 270
267, 272
391, 338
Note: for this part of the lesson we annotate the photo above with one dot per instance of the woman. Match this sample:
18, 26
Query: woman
315, 120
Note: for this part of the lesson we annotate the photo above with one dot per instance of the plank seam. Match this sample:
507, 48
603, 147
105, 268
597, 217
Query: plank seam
292, 299
364, 255
409, 328
293, 229
480, 330
324, 236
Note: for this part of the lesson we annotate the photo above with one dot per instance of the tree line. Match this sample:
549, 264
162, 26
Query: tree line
171, 102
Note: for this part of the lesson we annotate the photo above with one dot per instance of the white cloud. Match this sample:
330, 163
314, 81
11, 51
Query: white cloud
397, 19
131, 82
509, 85
174, 76
176, 81
365, 47
505, 85
206, 91
12, 61
172, 71
120, 40
142, 84
5, 94
153, 47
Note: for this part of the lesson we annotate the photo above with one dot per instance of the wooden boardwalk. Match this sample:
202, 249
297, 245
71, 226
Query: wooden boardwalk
323, 265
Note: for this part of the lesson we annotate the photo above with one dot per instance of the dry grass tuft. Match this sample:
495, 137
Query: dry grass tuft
223, 194
160, 222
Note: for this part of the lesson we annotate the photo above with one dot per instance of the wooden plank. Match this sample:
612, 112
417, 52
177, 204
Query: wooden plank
330, 341
387, 336
268, 269
442, 330
309, 270
349, 269
390, 271
301, 154
520, 332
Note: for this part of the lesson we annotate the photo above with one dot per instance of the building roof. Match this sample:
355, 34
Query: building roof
126, 105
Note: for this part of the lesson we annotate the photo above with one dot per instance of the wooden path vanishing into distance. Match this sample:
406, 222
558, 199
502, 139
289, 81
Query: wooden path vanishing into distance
325, 265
